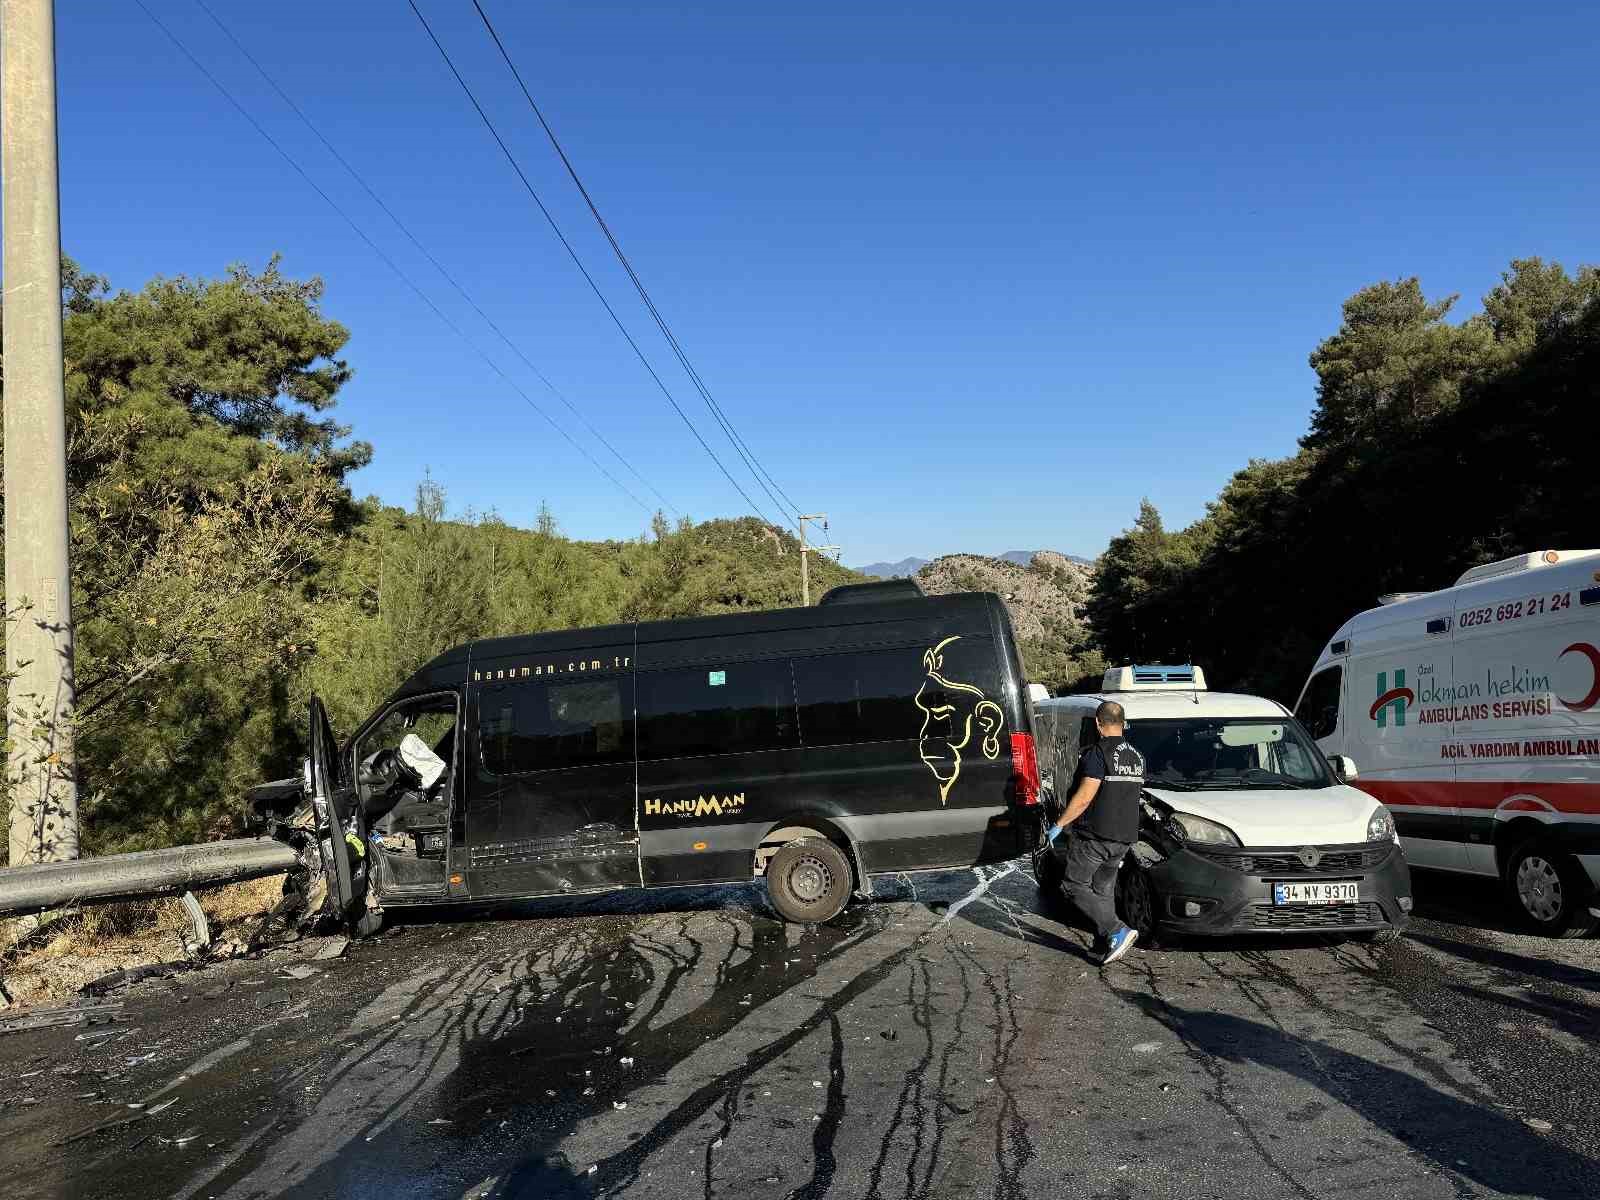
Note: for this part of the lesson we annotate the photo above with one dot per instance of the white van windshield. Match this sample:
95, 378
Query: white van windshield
1197, 753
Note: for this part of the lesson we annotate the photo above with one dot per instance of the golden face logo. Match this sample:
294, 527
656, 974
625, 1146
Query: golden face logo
950, 710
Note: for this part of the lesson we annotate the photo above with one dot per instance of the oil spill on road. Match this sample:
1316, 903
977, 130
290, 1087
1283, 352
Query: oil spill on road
516, 1050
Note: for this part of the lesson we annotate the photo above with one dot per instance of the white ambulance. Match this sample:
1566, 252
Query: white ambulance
1473, 713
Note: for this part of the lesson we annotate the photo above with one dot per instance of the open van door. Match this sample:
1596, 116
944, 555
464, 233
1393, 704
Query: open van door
340, 828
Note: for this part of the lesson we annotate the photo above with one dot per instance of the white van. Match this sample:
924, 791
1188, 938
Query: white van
1474, 714
1246, 827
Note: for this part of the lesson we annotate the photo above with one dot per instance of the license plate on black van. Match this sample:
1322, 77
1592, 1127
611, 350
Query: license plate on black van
1315, 893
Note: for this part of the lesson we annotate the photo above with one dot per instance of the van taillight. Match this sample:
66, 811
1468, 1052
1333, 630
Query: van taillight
1025, 766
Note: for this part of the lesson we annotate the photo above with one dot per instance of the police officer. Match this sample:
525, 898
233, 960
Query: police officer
1105, 805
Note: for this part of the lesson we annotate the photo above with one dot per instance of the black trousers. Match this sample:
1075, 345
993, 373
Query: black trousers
1091, 880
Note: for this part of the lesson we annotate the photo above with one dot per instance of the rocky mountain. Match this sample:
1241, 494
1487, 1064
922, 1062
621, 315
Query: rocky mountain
910, 566
1045, 598
905, 568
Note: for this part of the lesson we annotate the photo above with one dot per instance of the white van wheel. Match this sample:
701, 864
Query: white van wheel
1136, 900
1548, 889
1047, 869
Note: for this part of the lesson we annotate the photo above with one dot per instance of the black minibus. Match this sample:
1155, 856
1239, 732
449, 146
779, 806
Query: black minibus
882, 730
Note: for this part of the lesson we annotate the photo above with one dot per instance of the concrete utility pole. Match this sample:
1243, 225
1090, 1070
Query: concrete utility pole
805, 571
38, 604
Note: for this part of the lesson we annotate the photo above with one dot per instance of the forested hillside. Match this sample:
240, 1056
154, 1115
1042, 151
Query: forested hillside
1045, 599
1434, 446
222, 569
405, 585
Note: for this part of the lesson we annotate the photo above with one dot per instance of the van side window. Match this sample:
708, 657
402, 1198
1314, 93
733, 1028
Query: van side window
1088, 735
1318, 709
549, 726
849, 698
740, 708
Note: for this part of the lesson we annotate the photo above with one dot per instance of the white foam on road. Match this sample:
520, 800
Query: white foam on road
985, 882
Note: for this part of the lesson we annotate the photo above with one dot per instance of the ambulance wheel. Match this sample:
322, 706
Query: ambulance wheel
1548, 890
808, 881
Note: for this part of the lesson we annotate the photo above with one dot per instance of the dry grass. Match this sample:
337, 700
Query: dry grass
52, 966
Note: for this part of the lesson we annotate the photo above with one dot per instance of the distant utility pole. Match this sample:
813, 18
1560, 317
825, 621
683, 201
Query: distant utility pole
38, 605
805, 571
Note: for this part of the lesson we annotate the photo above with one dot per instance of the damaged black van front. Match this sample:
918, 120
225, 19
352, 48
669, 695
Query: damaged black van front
880, 731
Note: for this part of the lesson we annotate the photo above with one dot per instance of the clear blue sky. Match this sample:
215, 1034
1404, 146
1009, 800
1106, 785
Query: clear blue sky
967, 277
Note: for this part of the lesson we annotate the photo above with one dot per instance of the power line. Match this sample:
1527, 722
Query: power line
376, 249
762, 476
423, 250
578, 262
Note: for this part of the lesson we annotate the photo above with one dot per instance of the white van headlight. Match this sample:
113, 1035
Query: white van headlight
1381, 827
1190, 828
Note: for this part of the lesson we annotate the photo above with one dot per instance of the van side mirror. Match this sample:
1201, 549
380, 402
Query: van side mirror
1344, 767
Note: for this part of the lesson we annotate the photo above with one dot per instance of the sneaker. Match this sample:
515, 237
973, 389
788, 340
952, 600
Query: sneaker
1121, 942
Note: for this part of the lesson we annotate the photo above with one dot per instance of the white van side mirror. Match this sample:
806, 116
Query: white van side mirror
1344, 767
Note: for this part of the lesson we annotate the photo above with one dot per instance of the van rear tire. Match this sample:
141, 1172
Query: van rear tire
1548, 890
808, 881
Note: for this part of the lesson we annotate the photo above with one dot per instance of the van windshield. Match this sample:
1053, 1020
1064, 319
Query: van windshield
1197, 753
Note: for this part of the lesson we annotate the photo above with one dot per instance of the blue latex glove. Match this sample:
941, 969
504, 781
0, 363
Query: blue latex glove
1052, 833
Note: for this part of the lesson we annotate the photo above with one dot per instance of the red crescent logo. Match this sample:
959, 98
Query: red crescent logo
1405, 694
1593, 697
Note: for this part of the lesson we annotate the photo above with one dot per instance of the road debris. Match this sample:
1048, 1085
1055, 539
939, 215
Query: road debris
1146, 1047
117, 980
272, 998
72, 1014
333, 947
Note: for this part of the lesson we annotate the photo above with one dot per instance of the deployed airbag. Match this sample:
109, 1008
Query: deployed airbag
415, 754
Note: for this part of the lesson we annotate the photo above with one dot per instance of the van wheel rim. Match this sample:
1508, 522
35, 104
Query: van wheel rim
1539, 888
810, 880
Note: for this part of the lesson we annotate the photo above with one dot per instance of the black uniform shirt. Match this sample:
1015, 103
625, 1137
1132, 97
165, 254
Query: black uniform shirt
1113, 814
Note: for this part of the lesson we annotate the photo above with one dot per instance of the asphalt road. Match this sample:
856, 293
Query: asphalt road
949, 1039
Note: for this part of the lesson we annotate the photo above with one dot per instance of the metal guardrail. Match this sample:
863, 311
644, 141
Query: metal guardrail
140, 875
